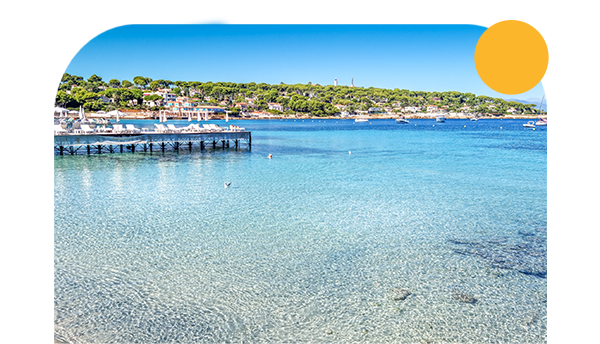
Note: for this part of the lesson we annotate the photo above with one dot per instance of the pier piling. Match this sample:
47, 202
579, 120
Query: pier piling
97, 143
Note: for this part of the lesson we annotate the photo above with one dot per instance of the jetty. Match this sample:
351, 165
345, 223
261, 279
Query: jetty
147, 141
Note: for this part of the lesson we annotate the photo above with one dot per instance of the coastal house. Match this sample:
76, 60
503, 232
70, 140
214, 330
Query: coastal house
186, 107
151, 102
208, 109
511, 111
436, 99
412, 109
275, 106
242, 106
167, 96
374, 110
465, 108
261, 114
340, 106
432, 108
105, 99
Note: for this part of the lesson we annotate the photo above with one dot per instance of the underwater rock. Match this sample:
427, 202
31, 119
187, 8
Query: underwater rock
397, 294
328, 331
463, 297
527, 256
530, 319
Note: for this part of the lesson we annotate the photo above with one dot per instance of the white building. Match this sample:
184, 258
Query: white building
275, 106
167, 96
412, 109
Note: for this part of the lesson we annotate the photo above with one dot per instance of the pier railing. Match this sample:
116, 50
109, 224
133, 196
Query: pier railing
99, 143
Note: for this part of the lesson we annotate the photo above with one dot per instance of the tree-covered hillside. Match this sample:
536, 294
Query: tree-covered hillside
94, 94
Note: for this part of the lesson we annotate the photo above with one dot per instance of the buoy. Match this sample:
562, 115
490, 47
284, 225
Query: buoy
500, 127
465, 126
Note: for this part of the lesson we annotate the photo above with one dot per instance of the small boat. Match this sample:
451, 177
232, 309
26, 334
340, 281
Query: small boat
474, 118
361, 120
440, 118
541, 121
529, 124
401, 120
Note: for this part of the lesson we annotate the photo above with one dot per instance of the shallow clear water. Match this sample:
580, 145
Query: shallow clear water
308, 246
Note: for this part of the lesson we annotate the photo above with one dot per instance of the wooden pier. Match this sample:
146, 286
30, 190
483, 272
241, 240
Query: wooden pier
149, 141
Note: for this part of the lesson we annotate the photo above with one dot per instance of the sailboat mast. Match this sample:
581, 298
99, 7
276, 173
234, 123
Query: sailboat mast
542, 102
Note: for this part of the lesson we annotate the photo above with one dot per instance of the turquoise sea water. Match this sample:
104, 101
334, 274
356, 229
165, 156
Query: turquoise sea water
313, 244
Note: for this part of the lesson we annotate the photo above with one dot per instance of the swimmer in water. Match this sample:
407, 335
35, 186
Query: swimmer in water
227, 185
270, 156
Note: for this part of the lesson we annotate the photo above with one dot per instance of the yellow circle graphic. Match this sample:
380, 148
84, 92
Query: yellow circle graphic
511, 57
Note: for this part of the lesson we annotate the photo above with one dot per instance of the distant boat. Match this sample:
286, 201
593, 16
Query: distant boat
541, 121
474, 118
361, 120
401, 120
529, 124
440, 118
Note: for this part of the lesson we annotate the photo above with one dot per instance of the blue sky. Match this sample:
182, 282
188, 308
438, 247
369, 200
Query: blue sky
414, 57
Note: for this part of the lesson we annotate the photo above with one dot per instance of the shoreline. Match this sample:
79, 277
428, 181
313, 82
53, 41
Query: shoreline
231, 118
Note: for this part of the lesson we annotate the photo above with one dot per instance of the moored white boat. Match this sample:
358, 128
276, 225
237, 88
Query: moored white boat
529, 124
361, 120
401, 120
440, 118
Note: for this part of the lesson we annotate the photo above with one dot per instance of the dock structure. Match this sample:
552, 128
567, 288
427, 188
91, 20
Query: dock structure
99, 143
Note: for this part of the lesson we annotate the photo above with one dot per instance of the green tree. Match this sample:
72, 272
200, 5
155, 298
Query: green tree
154, 85
114, 83
94, 79
141, 81
63, 99
82, 96
126, 84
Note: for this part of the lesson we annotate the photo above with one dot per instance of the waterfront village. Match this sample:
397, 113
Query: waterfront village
148, 99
